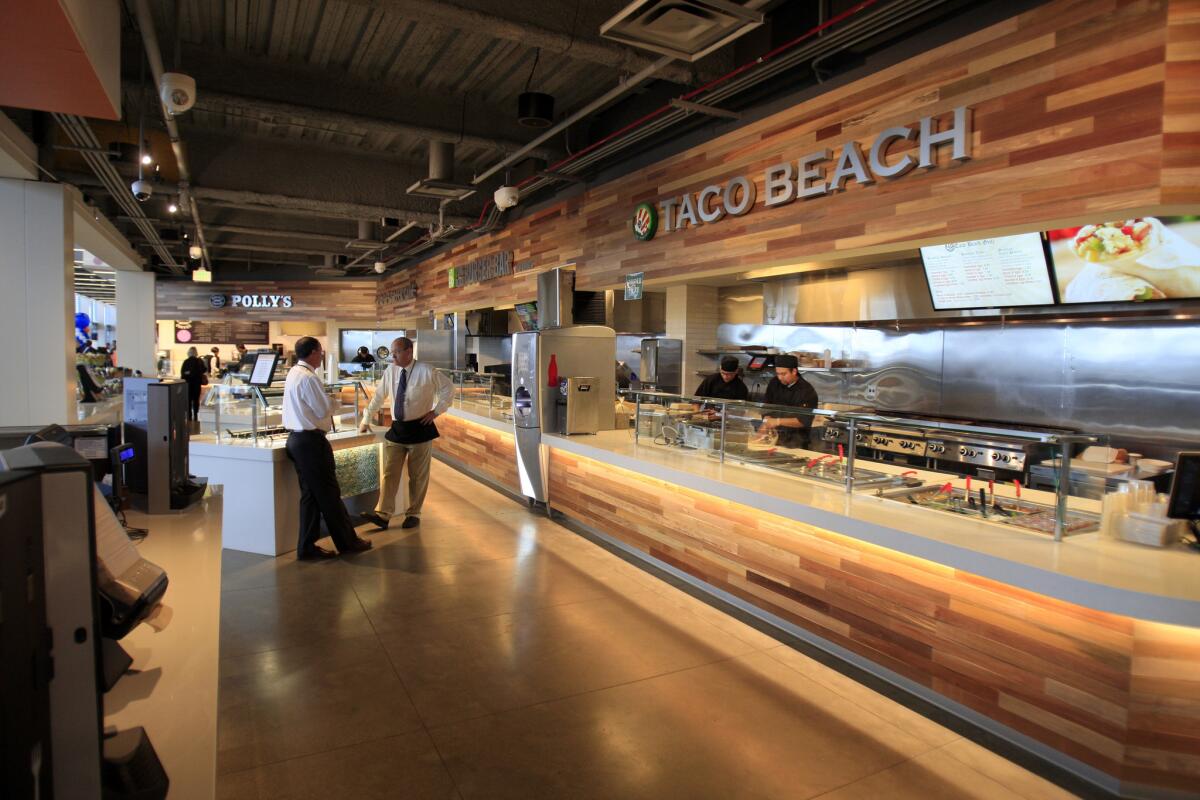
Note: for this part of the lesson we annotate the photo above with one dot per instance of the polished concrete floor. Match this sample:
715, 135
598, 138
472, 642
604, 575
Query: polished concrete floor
491, 653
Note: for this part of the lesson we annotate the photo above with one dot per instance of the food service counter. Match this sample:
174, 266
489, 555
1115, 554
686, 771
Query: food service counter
261, 510
1054, 646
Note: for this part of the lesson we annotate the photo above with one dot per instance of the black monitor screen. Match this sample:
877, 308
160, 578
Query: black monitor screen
126, 454
1185, 488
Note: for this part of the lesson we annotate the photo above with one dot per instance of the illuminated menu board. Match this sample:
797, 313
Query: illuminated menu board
1000, 272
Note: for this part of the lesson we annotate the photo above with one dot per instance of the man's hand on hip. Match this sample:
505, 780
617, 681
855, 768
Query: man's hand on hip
429, 418
365, 427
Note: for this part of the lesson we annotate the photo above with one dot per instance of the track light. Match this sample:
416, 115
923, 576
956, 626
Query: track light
172, 208
146, 159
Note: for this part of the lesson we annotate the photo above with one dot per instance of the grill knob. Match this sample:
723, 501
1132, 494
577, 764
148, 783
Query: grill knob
995, 456
962, 451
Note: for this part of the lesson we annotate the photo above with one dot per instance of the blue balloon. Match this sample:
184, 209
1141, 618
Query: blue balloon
82, 320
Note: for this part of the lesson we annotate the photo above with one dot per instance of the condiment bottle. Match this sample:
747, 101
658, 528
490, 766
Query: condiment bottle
552, 380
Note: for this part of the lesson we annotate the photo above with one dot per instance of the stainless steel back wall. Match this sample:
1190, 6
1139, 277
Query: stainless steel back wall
1138, 382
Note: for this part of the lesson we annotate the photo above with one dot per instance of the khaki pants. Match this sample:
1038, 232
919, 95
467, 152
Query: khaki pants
392, 463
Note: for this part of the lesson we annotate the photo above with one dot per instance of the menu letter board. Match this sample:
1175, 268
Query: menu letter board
214, 332
1000, 272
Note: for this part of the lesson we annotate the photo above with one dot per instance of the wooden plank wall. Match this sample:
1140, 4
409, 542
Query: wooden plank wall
1119, 694
312, 300
1181, 113
1068, 109
479, 448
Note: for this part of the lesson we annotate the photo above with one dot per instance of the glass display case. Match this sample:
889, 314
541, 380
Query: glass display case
253, 415
973, 471
477, 392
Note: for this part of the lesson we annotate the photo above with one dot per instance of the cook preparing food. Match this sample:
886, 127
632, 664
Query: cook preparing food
787, 388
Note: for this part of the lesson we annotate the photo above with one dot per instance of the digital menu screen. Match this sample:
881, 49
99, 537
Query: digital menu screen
1128, 260
999, 272
264, 369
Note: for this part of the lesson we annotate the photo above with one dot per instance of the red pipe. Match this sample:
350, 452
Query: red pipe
865, 4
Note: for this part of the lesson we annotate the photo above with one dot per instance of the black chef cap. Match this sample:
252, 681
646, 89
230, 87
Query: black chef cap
787, 361
729, 363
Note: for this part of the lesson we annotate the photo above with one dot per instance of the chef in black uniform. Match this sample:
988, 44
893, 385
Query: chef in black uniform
724, 385
787, 388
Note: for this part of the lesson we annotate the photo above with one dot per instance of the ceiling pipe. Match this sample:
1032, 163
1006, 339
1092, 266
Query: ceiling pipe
447, 15
625, 87
220, 102
150, 41
306, 206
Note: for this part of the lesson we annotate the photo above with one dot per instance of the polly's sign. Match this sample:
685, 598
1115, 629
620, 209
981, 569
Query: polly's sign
808, 177
251, 301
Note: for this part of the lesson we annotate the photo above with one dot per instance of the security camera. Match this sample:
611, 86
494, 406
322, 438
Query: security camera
380, 267
506, 197
178, 92
142, 190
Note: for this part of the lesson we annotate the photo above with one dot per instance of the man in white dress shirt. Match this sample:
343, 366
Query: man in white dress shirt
417, 394
308, 415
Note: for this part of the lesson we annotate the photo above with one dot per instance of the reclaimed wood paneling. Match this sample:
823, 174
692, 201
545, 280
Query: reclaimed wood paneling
1069, 121
479, 448
310, 300
1181, 112
1119, 694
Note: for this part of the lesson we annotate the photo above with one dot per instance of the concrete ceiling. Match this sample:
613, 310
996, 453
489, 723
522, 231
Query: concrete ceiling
314, 116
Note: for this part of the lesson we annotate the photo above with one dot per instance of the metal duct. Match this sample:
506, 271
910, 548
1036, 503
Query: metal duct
150, 41
441, 161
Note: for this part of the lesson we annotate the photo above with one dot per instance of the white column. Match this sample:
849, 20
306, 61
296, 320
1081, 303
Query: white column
37, 303
136, 321
692, 315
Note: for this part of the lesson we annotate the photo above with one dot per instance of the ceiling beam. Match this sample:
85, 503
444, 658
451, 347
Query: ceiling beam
268, 110
306, 206
263, 248
279, 233
448, 15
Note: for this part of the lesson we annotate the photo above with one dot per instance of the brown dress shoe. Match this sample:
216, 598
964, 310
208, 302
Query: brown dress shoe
315, 553
357, 546
410, 522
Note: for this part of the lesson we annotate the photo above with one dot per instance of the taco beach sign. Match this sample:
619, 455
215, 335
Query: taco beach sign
813, 175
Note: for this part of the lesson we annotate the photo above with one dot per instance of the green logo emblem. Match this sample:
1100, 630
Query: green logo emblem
645, 222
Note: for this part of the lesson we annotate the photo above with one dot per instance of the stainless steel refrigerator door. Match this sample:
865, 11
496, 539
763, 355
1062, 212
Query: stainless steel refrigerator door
583, 405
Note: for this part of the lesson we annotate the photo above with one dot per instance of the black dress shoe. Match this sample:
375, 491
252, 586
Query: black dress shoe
315, 553
357, 546
410, 522
377, 520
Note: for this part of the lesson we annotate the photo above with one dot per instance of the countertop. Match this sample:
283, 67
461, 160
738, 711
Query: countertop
1156, 584
206, 445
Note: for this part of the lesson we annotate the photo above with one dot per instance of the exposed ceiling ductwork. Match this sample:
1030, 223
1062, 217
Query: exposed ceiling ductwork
154, 56
258, 201
440, 182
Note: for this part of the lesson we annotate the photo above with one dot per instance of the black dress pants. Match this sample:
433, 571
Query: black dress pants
194, 400
320, 494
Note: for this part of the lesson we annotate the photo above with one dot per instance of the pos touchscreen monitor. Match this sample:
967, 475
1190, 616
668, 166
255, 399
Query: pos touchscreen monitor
1185, 487
264, 369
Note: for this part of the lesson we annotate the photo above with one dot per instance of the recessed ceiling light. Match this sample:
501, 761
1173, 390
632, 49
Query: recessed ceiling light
146, 159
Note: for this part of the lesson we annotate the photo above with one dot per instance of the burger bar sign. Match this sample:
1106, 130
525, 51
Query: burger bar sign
813, 175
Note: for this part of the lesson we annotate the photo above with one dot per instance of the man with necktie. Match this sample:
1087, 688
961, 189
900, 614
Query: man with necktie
308, 416
417, 394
